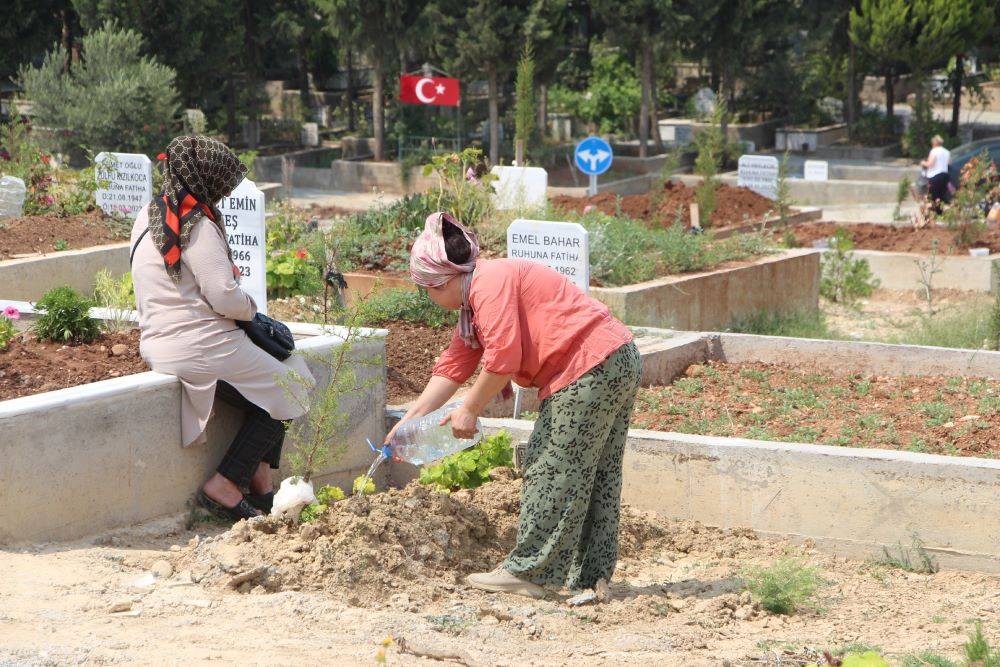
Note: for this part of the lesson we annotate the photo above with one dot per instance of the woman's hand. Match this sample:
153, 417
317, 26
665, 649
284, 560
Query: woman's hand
392, 431
463, 422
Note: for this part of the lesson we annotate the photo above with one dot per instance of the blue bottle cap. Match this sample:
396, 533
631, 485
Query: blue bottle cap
384, 450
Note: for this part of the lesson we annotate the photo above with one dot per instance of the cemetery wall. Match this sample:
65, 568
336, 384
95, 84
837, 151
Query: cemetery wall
28, 278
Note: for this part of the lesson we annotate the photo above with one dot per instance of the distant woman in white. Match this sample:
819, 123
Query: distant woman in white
936, 165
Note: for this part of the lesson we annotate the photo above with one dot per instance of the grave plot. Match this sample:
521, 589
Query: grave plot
895, 252
738, 209
855, 446
93, 436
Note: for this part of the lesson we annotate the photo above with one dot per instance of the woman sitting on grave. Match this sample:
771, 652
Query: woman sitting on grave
527, 322
188, 296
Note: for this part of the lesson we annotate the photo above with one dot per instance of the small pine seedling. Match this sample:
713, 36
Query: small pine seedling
784, 586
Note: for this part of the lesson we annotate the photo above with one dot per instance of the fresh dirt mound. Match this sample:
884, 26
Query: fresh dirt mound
42, 233
30, 366
413, 539
734, 206
895, 238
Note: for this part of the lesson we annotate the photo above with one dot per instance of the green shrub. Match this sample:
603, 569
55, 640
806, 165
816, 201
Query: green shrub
911, 559
783, 587
66, 317
613, 93
978, 651
711, 145
7, 331
874, 128
21, 157
113, 98
966, 327
325, 497
470, 468
922, 127
380, 238
845, 279
117, 296
364, 485
927, 659
392, 305
469, 199
291, 273
964, 214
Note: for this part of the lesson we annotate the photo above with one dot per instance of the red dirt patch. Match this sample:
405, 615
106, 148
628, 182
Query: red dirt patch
29, 366
734, 206
936, 414
40, 233
411, 350
895, 238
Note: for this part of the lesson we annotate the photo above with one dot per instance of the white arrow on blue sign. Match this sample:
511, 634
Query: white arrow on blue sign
593, 156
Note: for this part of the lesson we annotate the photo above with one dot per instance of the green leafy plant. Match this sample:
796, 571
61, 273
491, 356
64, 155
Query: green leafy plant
291, 273
364, 485
22, 158
928, 659
464, 186
845, 278
7, 331
911, 559
325, 497
117, 297
248, 158
977, 650
60, 245
784, 586
65, 317
470, 468
394, 305
613, 92
784, 196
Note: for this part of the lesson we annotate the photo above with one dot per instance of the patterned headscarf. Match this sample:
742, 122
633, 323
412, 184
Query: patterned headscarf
430, 266
197, 172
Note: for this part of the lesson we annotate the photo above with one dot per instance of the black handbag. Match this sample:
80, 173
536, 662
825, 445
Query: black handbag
269, 335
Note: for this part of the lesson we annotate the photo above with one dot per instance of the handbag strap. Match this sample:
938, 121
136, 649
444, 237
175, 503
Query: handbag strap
136, 246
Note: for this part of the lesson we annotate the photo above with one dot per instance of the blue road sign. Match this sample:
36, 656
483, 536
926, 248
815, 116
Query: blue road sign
593, 156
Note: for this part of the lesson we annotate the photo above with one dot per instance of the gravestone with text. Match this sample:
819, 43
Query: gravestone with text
520, 187
243, 214
759, 173
125, 182
563, 246
816, 170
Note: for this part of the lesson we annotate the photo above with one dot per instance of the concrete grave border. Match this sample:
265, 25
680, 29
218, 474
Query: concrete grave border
106, 455
898, 270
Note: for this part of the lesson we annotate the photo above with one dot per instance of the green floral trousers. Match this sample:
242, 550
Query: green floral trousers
571, 499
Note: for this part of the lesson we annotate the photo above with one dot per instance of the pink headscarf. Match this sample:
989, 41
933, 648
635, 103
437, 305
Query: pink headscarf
430, 266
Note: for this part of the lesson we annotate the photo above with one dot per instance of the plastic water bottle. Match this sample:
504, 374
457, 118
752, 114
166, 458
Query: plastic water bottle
421, 440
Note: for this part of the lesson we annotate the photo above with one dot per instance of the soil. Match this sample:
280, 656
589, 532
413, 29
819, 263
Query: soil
894, 238
734, 206
29, 366
41, 233
371, 576
942, 415
411, 350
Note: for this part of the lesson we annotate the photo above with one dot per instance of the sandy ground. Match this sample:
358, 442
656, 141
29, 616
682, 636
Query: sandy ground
56, 602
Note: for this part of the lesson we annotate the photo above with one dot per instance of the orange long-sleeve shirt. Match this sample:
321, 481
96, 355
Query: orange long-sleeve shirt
534, 324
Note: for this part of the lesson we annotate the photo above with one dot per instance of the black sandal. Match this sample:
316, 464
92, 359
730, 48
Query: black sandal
242, 510
262, 501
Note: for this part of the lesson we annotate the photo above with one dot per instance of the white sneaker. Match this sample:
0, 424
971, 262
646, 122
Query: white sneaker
502, 581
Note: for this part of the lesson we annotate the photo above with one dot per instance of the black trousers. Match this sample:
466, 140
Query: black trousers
258, 440
937, 188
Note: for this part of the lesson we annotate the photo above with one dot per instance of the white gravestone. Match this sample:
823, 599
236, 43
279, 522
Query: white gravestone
816, 170
562, 246
128, 181
243, 213
759, 173
520, 187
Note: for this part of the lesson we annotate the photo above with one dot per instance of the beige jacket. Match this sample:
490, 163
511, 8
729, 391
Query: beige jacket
188, 330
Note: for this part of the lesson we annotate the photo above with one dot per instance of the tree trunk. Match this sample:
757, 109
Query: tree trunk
852, 92
956, 93
67, 38
543, 110
890, 95
378, 111
654, 118
494, 99
305, 94
250, 45
351, 121
721, 99
645, 106
232, 129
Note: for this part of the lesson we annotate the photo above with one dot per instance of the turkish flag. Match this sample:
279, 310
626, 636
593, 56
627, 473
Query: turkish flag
436, 91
